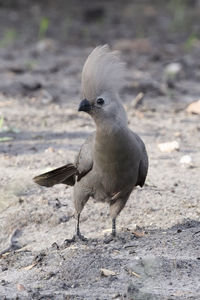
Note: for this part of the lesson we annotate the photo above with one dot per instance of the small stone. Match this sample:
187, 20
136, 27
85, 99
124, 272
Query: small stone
64, 219
46, 97
169, 146
45, 45
186, 159
3, 282
50, 149
107, 273
173, 70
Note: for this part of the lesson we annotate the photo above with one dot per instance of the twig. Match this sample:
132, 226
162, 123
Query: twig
132, 273
196, 232
137, 100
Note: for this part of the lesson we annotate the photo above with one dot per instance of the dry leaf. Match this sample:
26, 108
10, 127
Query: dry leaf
194, 107
106, 272
138, 234
20, 287
169, 146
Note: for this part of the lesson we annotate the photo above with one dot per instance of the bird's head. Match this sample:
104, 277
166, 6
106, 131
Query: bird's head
102, 78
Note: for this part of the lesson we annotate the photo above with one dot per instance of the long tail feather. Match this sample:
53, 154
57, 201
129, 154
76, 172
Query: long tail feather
64, 174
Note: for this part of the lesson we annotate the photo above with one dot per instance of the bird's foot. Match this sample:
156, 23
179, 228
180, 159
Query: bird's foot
76, 238
80, 237
109, 238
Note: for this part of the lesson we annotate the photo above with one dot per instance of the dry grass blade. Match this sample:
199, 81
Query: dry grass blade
29, 267
132, 273
137, 100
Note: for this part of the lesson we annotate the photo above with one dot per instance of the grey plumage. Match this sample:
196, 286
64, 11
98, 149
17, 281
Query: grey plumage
102, 71
113, 160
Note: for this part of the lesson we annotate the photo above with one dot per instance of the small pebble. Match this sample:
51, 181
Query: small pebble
186, 159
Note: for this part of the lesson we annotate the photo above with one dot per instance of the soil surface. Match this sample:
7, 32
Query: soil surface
156, 254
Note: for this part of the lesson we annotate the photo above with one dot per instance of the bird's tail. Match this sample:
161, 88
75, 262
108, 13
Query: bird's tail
65, 174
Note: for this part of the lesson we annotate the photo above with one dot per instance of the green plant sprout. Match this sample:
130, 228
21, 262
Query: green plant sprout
9, 36
1, 122
4, 138
43, 27
191, 41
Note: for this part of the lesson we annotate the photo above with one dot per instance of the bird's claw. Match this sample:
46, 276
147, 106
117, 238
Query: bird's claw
108, 239
76, 238
80, 237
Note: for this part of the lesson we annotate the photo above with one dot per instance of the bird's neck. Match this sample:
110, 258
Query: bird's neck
110, 128
110, 145
113, 123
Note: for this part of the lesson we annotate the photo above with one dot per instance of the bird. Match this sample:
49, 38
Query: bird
113, 160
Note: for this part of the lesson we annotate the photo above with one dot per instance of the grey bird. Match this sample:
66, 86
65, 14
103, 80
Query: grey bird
113, 160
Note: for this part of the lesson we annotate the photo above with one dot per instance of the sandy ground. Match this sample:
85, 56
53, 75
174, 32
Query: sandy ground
157, 252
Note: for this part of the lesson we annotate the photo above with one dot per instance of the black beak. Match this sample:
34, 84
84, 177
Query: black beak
84, 106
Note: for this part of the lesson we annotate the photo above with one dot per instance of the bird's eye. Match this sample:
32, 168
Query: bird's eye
100, 101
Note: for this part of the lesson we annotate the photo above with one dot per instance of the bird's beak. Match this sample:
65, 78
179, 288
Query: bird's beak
85, 106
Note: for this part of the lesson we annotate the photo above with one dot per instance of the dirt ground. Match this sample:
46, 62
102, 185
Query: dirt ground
156, 254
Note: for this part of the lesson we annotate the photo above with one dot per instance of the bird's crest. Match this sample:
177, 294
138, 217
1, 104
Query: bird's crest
103, 71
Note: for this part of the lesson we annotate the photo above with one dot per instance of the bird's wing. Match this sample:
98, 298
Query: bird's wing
144, 162
67, 174
84, 160
143, 169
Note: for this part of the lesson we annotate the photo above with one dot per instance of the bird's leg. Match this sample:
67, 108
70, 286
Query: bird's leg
110, 238
114, 227
78, 234
78, 225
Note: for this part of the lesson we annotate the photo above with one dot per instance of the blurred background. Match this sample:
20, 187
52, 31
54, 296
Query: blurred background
43, 45
93, 22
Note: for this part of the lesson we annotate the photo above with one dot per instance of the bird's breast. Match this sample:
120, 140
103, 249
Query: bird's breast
116, 160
